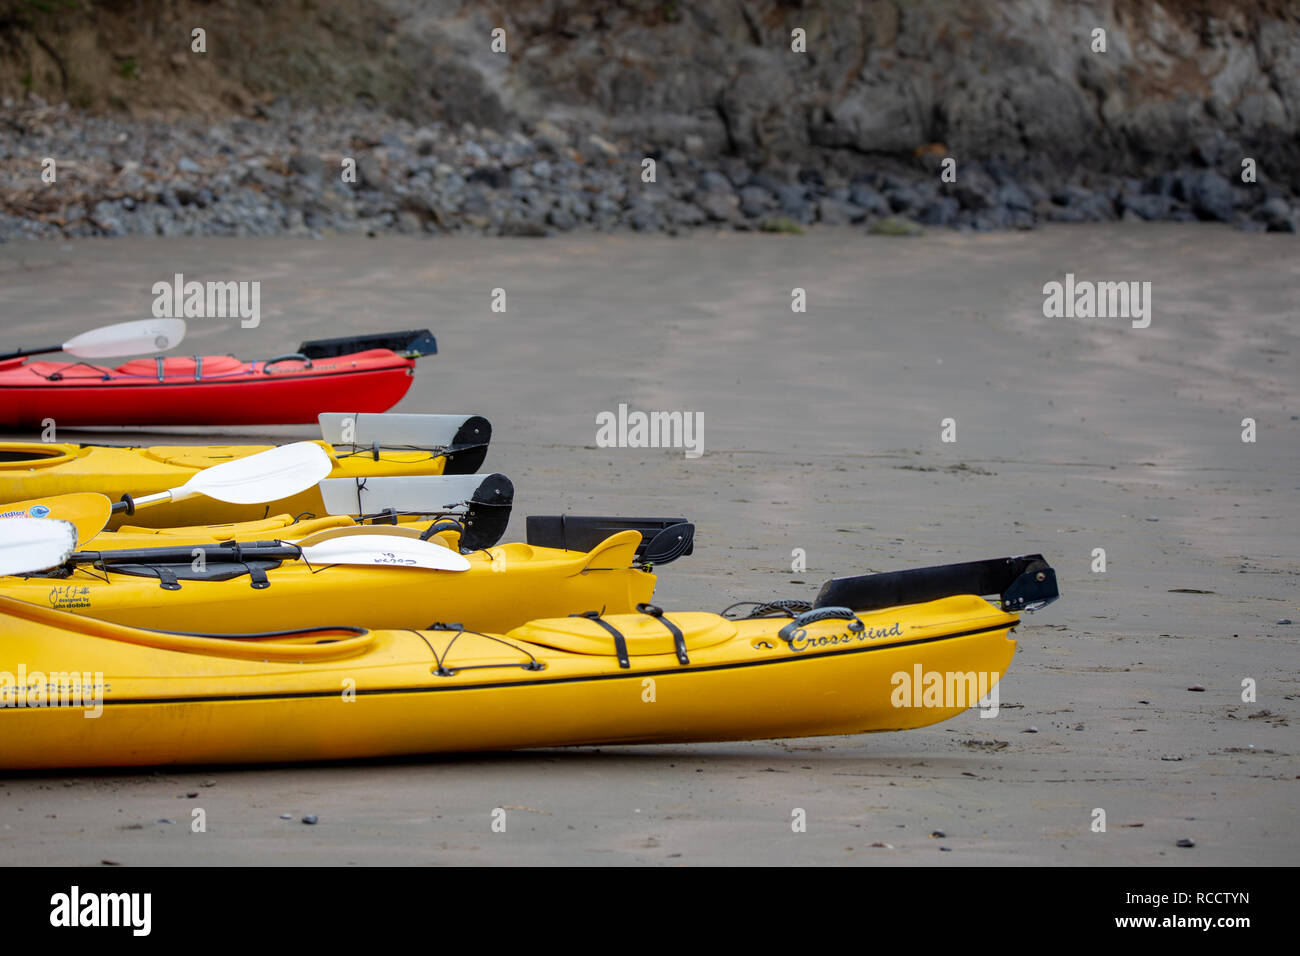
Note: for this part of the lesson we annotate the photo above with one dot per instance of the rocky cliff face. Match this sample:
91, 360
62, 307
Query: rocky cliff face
1059, 94
1017, 79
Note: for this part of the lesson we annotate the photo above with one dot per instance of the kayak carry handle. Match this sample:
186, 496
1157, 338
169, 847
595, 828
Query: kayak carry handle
287, 357
788, 632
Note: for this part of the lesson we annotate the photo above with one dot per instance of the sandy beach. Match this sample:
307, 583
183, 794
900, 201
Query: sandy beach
822, 432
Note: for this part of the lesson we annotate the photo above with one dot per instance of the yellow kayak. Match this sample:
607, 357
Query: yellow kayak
231, 593
31, 470
78, 691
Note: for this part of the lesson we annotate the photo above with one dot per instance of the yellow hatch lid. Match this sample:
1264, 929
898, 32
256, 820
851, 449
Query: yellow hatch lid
644, 634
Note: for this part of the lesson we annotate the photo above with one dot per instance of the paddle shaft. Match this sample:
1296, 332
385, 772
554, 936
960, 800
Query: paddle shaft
253, 551
23, 353
129, 504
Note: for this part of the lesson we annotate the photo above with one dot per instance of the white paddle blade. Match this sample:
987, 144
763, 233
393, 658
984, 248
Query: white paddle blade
390, 431
127, 338
422, 495
267, 476
36, 544
385, 551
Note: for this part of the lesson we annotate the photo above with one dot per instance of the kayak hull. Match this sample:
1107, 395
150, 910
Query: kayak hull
39, 469
168, 699
232, 393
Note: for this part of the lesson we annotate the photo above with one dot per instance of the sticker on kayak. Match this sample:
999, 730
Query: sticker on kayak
68, 596
35, 511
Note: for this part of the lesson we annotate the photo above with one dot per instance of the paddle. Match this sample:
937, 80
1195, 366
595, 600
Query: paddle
124, 338
267, 476
363, 548
87, 511
34, 544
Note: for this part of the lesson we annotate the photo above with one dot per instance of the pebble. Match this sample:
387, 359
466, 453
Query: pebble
1187, 844
286, 816
937, 835
1197, 687
1285, 620
1030, 730
309, 818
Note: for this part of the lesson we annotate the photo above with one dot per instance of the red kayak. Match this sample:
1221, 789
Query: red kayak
368, 373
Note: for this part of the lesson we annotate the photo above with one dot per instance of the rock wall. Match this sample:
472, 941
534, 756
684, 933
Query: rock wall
1016, 80
1044, 124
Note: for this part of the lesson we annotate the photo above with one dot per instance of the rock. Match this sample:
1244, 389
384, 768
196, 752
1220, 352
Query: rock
756, 197
1209, 195
895, 226
832, 212
1083, 205
861, 194
561, 220
1054, 213
711, 181
310, 819
493, 176
1013, 197
644, 218
597, 146
522, 228
1148, 206
685, 214
369, 173
878, 117
187, 165
307, 165
722, 207
425, 141
551, 136
1273, 210
791, 201
904, 199
941, 212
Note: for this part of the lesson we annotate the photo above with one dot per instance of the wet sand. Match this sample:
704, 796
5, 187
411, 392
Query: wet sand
822, 432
